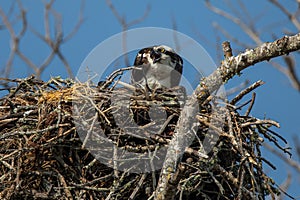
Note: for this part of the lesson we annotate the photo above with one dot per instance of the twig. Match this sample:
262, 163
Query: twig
290, 71
233, 180
229, 36
138, 187
290, 162
248, 29
251, 104
246, 91
247, 24
125, 25
114, 75
49, 128
65, 186
290, 16
87, 137
54, 44
285, 186
261, 122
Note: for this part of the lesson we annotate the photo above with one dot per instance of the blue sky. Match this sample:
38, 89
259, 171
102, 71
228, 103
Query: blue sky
276, 99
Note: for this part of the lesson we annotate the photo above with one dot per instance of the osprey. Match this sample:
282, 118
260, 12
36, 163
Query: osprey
157, 67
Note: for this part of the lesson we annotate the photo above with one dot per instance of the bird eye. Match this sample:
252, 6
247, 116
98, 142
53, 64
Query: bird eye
162, 50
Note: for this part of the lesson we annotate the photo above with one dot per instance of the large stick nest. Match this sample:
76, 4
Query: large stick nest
49, 143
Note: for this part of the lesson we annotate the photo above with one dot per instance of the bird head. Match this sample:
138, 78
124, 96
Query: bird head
161, 53
157, 64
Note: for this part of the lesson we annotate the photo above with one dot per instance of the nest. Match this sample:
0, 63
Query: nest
58, 140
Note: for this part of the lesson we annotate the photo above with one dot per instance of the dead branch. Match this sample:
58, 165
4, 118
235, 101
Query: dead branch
248, 29
290, 162
247, 24
54, 43
291, 16
126, 25
246, 91
229, 68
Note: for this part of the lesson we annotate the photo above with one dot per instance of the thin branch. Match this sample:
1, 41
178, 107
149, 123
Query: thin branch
66, 64
251, 104
125, 25
54, 43
78, 24
291, 16
290, 71
251, 32
260, 122
289, 161
237, 88
285, 186
247, 24
246, 91
14, 42
27, 61
290, 62
229, 36
138, 187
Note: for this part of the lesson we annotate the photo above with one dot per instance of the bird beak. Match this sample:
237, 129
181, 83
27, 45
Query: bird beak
156, 56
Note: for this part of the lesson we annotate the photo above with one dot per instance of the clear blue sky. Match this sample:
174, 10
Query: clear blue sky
276, 99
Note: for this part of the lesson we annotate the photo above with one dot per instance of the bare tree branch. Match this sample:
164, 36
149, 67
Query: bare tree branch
289, 71
248, 26
15, 39
246, 91
229, 36
54, 43
291, 16
78, 24
289, 161
248, 29
285, 185
229, 68
125, 25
